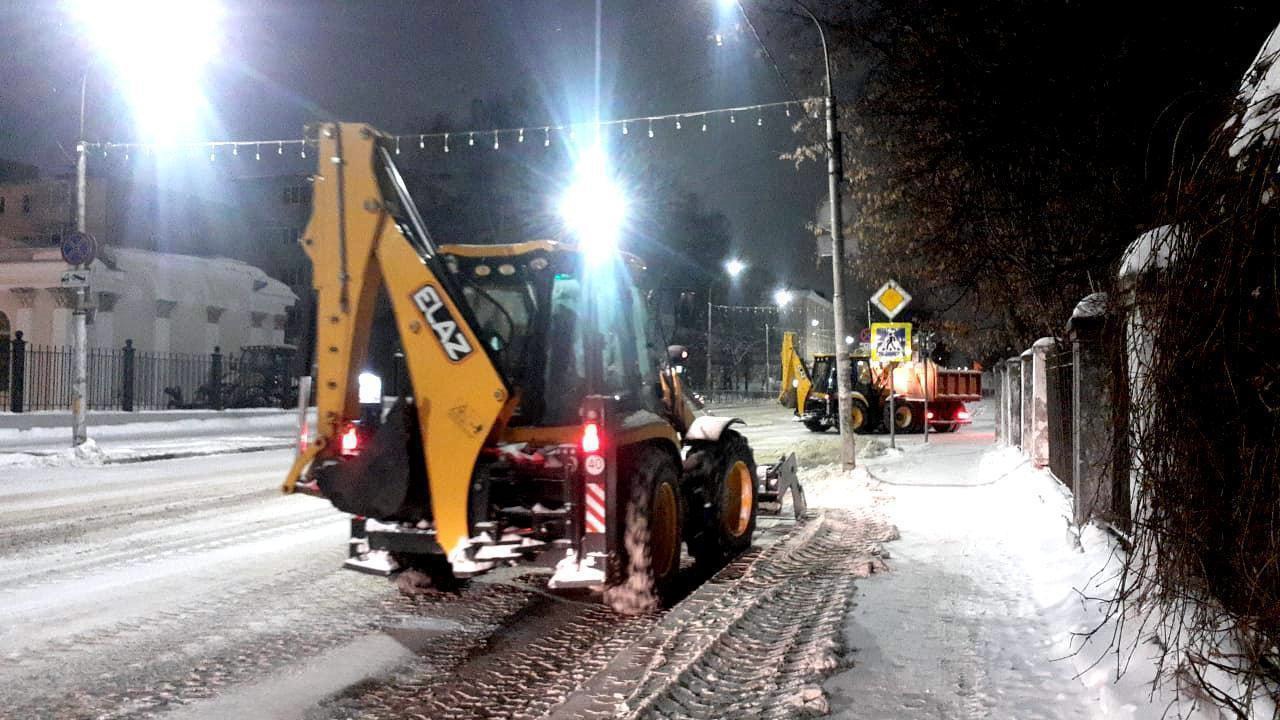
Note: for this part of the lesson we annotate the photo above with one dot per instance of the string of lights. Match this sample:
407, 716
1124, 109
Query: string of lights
747, 308
648, 125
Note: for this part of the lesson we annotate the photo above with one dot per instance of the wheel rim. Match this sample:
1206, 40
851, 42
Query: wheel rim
902, 416
738, 491
856, 417
663, 535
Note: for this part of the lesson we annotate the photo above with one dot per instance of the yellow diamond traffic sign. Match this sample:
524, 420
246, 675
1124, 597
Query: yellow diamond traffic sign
891, 298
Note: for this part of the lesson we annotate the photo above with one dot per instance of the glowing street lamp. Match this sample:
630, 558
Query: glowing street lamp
733, 267
157, 49
594, 206
782, 297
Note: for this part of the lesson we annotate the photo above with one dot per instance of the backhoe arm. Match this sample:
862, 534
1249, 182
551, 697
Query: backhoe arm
795, 377
365, 234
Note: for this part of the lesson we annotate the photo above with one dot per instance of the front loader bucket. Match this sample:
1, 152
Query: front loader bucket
387, 479
773, 483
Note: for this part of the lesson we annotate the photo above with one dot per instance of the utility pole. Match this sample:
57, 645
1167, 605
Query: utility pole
835, 171
766, 357
80, 379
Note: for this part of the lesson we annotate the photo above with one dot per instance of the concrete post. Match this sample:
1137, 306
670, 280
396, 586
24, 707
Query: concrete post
1038, 403
1092, 475
998, 376
1013, 402
1025, 377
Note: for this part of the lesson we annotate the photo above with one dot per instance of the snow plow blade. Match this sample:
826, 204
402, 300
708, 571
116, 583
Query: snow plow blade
774, 482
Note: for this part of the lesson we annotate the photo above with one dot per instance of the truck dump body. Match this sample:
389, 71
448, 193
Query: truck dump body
909, 379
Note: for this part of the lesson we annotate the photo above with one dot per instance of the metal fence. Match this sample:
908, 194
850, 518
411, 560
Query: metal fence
39, 377
1058, 405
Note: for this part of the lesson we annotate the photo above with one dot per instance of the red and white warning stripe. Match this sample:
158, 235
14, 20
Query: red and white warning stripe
594, 496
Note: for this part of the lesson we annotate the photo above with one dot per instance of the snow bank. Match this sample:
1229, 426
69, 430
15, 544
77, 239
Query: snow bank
1074, 572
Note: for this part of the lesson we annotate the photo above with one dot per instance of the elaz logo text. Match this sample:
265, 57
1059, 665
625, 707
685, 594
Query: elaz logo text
455, 344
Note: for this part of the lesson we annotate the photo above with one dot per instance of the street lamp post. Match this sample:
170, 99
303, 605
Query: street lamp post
153, 46
835, 169
80, 340
733, 268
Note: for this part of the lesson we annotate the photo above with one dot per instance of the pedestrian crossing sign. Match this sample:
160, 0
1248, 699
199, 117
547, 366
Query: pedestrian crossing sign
890, 341
891, 298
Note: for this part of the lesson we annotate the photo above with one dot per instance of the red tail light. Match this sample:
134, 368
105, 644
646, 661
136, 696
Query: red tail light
590, 438
350, 441
963, 415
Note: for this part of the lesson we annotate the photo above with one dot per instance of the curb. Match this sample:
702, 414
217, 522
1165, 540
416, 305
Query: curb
106, 459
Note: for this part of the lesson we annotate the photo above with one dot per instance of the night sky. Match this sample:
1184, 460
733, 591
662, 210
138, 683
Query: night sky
393, 64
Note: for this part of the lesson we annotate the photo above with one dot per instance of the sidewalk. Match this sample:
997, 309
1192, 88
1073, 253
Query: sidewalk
44, 439
981, 610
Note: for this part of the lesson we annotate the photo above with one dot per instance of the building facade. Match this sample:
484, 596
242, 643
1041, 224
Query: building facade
163, 302
809, 315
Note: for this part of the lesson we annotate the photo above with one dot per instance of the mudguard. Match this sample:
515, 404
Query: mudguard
708, 428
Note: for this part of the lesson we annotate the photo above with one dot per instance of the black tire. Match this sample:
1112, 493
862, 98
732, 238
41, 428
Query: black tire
859, 416
720, 526
906, 418
917, 418
646, 582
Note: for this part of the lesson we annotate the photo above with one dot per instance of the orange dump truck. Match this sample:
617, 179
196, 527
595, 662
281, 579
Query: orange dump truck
946, 391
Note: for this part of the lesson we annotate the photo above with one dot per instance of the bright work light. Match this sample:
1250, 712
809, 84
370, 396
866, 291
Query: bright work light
781, 297
594, 207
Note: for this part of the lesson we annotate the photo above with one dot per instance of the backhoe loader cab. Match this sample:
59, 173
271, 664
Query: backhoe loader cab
540, 428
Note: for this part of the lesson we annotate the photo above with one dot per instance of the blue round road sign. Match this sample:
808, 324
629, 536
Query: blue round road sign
79, 248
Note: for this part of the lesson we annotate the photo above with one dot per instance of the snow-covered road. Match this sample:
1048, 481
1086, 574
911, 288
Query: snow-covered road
192, 588
130, 573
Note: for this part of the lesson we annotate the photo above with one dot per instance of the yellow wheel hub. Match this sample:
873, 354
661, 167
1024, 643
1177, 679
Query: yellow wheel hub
902, 416
739, 491
664, 537
856, 418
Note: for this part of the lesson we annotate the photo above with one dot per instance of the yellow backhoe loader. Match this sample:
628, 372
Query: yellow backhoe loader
539, 428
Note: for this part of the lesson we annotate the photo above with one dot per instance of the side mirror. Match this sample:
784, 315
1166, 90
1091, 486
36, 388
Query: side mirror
677, 355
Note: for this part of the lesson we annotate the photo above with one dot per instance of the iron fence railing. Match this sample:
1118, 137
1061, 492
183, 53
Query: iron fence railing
40, 377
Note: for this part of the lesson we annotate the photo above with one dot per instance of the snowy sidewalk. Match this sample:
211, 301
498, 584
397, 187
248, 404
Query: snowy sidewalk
978, 613
43, 439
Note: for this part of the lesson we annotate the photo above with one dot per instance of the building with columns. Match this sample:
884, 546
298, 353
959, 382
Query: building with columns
163, 302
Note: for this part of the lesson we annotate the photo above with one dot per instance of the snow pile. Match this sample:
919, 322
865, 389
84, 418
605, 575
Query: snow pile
997, 603
87, 453
1074, 572
832, 487
1260, 96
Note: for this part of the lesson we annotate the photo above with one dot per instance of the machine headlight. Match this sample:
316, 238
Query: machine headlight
370, 389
